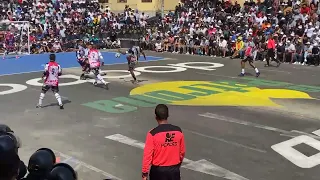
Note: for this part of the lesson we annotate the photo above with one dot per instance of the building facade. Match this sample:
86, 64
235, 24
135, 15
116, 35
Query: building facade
148, 6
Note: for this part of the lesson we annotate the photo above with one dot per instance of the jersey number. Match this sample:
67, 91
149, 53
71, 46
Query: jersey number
53, 71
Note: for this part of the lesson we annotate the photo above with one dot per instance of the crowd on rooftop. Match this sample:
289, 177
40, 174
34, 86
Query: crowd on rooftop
202, 27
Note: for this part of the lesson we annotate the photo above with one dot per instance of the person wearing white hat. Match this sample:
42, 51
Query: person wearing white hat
307, 52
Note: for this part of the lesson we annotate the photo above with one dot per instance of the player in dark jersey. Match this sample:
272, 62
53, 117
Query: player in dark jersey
133, 55
82, 59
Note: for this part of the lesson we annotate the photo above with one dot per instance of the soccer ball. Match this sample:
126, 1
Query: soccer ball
118, 55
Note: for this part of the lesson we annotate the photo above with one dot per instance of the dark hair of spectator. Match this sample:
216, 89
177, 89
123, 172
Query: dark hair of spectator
9, 165
52, 57
162, 112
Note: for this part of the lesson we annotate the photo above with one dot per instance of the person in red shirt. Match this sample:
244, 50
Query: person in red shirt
271, 47
305, 9
164, 149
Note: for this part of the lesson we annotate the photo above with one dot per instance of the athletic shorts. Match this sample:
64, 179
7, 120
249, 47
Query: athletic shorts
95, 71
165, 173
248, 58
46, 88
132, 62
132, 65
81, 62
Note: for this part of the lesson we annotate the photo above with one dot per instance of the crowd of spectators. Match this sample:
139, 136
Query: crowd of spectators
55, 25
199, 27
222, 28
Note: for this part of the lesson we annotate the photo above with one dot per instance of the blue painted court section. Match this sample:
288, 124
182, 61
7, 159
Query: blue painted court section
35, 62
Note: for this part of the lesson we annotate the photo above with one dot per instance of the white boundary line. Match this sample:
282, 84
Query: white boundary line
202, 165
227, 142
81, 163
28, 72
294, 133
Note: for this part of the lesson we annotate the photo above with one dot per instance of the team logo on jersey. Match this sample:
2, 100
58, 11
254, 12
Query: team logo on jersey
169, 141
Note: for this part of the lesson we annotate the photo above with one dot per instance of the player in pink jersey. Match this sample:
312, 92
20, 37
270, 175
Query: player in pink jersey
51, 75
94, 59
249, 57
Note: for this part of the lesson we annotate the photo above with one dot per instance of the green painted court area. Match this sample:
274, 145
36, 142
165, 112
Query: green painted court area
151, 99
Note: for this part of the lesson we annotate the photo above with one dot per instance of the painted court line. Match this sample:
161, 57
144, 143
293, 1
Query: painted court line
255, 125
317, 132
227, 142
246, 123
132, 142
79, 163
202, 165
224, 76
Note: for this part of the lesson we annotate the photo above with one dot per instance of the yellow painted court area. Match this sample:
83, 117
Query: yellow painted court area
221, 94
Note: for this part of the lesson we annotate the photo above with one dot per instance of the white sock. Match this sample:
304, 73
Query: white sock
242, 71
58, 98
100, 79
41, 98
256, 69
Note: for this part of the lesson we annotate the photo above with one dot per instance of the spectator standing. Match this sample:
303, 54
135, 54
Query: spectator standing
164, 149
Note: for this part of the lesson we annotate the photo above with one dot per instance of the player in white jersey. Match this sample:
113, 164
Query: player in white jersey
51, 75
94, 59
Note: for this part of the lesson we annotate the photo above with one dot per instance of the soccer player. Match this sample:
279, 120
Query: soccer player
94, 59
51, 75
249, 57
133, 55
9, 45
82, 59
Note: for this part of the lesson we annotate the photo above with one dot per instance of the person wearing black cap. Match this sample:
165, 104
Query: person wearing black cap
9, 165
9, 159
164, 149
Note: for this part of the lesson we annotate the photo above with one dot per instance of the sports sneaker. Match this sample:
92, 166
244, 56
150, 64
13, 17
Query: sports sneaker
61, 106
241, 74
257, 74
82, 77
95, 83
39, 106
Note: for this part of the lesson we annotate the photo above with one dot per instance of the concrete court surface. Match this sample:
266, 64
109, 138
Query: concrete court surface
237, 128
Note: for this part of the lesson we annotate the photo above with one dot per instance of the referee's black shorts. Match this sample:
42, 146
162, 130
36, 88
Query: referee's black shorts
165, 172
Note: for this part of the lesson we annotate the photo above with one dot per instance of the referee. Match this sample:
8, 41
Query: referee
164, 149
